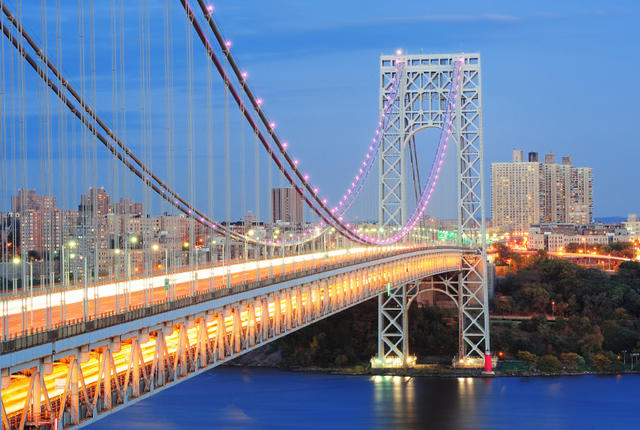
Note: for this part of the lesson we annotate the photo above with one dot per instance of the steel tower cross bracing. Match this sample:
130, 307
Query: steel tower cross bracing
424, 88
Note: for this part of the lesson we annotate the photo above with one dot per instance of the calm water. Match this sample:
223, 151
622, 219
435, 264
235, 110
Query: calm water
234, 398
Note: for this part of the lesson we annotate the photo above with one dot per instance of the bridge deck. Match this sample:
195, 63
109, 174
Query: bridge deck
62, 307
109, 372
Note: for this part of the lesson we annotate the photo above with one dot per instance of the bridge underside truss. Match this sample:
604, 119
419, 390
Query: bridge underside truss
464, 287
84, 384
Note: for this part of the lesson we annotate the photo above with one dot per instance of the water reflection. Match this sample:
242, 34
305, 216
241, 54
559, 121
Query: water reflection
232, 398
395, 398
411, 403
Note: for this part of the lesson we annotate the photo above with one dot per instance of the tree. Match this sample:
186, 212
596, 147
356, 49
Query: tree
592, 342
549, 363
617, 337
341, 360
572, 360
601, 362
530, 358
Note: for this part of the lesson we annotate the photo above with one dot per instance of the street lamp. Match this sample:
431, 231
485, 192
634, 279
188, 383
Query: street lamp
185, 247
225, 268
127, 250
17, 261
71, 245
116, 252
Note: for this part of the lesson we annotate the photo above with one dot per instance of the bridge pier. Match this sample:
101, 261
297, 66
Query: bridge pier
467, 290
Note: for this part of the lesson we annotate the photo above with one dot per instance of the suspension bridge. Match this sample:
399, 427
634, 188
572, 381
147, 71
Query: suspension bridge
109, 303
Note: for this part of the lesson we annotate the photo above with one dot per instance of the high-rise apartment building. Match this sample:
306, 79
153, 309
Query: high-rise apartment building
525, 193
43, 226
581, 204
555, 191
515, 194
286, 206
95, 203
633, 226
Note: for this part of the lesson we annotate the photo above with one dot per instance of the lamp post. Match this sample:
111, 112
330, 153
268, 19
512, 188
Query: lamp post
225, 268
16, 261
195, 274
116, 252
132, 240
155, 247
634, 355
85, 298
256, 248
65, 277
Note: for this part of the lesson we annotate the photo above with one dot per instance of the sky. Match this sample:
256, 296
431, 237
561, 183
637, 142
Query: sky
557, 77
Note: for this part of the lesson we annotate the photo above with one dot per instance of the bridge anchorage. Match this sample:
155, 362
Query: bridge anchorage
440, 91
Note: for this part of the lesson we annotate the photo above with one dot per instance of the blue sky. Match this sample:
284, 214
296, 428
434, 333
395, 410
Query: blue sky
557, 77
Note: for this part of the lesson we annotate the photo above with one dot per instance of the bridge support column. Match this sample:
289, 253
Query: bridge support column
393, 341
473, 309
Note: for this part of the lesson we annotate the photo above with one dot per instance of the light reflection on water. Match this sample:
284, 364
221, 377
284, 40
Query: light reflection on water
235, 398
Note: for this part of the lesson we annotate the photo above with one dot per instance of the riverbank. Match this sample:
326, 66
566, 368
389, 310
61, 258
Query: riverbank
437, 366
439, 371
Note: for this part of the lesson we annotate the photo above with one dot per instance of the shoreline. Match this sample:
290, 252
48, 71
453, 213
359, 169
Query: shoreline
439, 372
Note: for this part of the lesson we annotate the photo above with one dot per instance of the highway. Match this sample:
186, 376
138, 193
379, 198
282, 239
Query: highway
27, 315
15, 396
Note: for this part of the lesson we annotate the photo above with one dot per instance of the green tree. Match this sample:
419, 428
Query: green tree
572, 360
617, 337
592, 342
601, 362
530, 358
549, 363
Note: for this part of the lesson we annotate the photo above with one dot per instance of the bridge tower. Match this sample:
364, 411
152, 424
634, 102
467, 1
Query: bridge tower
421, 103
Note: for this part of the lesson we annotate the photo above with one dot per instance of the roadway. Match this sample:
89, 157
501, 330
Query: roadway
15, 396
24, 314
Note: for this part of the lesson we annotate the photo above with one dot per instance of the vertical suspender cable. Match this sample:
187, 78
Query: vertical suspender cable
210, 164
147, 202
123, 130
142, 130
13, 165
168, 77
101, 226
87, 206
243, 182
4, 228
24, 184
256, 175
114, 162
227, 169
52, 211
190, 141
65, 218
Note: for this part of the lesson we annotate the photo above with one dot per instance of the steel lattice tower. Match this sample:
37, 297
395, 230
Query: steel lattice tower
421, 103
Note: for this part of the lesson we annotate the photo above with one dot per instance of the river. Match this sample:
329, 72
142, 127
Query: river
248, 398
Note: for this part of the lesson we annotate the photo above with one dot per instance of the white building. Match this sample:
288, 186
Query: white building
531, 192
633, 226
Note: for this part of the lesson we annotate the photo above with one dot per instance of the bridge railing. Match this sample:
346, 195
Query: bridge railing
23, 341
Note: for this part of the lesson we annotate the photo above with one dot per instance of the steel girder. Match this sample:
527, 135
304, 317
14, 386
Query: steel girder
474, 299
421, 103
393, 336
93, 381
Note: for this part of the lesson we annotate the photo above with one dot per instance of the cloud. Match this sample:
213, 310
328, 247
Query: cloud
461, 18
